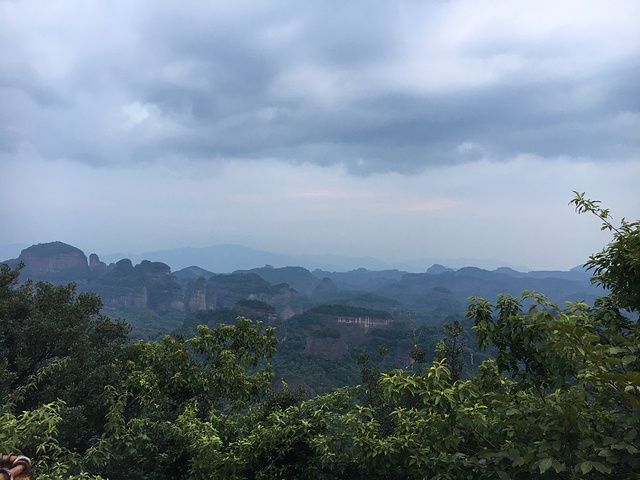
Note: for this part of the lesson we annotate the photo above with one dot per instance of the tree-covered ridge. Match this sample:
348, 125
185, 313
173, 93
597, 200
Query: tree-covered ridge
561, 399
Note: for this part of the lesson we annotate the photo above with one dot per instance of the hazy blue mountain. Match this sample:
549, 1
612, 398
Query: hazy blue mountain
192, 273
361, 278
229, 258
299, 278
449, 289
578, 275
422, 264
432, 296
436, 269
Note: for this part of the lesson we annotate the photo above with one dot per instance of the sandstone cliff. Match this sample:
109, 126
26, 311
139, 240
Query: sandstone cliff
223, 291
54, 262
164, 292
98, 268
122, 287
256, 310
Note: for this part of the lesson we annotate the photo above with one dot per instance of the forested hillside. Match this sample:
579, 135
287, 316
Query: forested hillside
156, 301
559, 399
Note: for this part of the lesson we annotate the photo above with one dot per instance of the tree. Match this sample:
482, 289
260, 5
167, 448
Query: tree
183, 401
450, 349
59, 337
56, 354
617, 266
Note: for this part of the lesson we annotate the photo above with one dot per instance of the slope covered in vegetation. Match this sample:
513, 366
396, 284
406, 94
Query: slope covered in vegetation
561, 398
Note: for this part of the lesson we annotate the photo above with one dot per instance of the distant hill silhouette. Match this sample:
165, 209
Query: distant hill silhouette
152, 285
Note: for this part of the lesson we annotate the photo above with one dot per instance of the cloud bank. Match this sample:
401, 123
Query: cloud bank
346, 121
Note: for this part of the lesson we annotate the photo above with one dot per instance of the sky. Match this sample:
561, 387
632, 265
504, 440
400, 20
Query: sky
397, 130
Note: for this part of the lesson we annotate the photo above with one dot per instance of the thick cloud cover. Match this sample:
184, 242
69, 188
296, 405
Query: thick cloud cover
372, 97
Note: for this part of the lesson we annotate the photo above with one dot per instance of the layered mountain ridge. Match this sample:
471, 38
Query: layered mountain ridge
290, 290
324, 319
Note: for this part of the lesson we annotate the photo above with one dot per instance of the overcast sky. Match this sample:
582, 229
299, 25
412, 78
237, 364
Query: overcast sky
398, 130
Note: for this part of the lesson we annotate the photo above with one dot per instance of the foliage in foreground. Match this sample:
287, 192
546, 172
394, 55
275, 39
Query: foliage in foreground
561, 399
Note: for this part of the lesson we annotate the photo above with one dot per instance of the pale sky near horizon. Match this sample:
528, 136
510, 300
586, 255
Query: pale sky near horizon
397, 130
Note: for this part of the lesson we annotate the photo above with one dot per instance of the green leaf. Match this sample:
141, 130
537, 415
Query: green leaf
545, 464
627, 359
601, 467
558, 467
586, 467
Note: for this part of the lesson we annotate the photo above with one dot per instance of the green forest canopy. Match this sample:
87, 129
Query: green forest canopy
561, 399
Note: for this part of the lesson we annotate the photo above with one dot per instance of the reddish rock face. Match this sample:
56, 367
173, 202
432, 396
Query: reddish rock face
365, 322
198, 300
56, 262
133, 299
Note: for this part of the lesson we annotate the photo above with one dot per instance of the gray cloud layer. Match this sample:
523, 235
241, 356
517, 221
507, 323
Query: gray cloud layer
381, 86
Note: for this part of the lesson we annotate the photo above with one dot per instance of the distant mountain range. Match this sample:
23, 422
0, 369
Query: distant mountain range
323, 318
229, 258
150, 282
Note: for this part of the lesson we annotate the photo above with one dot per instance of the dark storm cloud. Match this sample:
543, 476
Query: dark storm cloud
318, 82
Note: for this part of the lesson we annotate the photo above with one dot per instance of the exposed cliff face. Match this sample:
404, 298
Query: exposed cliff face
55, 262
285, 300
223, 291
131, 299
199, 296
287, 312
196, 295
147, 285
122, 287
96, 267
164, 292
364, 322
256, 310
198, 301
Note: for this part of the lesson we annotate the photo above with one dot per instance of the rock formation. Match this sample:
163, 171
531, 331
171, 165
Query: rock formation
164, 292
55, 262
96, 267
256, 310
196, 295
122, 287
